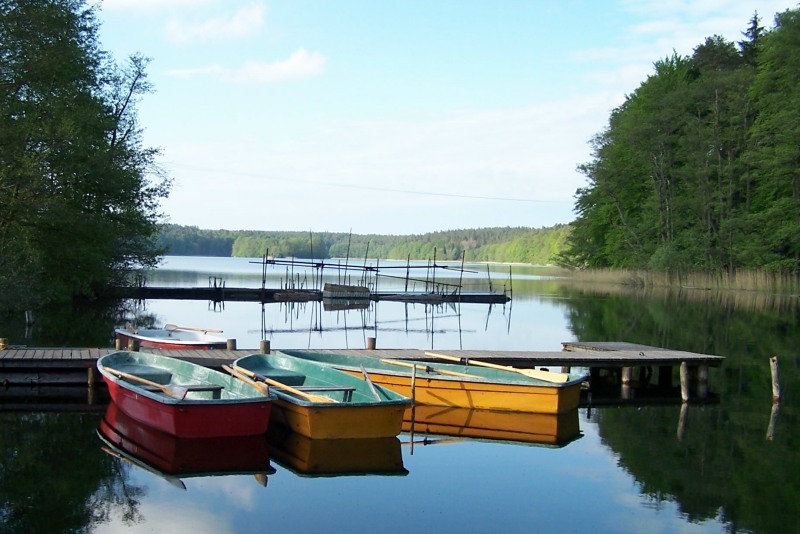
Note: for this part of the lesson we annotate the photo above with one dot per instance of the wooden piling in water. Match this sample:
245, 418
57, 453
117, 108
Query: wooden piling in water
231, 344
685, 382
774, 372
264, 346
370, 343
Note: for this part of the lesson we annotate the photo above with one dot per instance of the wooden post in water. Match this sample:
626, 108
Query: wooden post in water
776, 386
133, 344
231, 344
684, 381
627, 390
90, 376
776, 396
264, 346
118, 344
370, 343
3, 343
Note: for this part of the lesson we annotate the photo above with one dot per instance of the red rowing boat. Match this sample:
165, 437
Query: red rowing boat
172, 337
184, 399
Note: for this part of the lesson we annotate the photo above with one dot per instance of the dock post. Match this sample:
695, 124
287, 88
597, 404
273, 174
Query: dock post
231, 344
264, 346
684, 381
370, 343
627, 390
118, 344
776, 386
90, 378
627, 373
133, 344
3, 343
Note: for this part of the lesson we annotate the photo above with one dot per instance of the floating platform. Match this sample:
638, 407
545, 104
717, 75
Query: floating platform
264, 295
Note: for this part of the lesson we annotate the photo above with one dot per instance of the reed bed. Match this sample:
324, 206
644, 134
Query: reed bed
761, 281
751, 290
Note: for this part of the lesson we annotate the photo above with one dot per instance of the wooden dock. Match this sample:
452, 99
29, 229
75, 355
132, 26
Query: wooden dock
608, 362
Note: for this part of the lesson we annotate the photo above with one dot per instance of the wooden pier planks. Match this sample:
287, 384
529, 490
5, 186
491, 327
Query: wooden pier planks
575, 354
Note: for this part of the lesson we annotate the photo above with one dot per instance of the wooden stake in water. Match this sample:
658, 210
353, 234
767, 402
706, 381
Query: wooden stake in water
776, 386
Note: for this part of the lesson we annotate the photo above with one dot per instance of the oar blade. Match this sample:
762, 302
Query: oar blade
549, 376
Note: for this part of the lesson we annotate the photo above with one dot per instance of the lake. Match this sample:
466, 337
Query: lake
726, 464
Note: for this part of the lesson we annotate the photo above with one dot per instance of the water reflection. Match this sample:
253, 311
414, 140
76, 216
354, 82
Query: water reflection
335, 457
175, 458
535, 428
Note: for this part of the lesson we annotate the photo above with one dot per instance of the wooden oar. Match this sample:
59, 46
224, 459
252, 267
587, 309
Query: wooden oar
370, 384
281, 385
259, 386
428, 368
172, 327
548, 376
179, 392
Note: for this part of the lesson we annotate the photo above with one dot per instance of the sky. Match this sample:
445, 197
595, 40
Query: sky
397, 117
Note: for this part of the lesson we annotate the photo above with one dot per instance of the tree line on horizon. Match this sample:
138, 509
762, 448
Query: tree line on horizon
699, 168
507, 245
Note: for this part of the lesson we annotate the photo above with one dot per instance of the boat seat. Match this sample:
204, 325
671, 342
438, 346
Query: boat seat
159, 376
213, 388
286, 377
347, 390
326, 388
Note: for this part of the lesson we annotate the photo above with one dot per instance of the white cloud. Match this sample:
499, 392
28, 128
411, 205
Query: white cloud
244, 22
301, 64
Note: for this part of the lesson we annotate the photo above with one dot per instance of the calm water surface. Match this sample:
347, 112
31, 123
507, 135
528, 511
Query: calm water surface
728, 464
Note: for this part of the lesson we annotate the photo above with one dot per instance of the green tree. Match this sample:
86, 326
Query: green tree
774, 222
78, 191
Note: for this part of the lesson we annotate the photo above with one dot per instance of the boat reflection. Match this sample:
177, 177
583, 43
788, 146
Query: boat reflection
174, 458
335, 457
556, 430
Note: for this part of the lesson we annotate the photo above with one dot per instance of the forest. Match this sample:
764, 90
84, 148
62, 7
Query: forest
509, 245
699, 168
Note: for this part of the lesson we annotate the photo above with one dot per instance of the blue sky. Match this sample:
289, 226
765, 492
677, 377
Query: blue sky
389, 116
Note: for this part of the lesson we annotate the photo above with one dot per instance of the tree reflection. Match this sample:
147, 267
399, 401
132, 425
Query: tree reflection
55, 477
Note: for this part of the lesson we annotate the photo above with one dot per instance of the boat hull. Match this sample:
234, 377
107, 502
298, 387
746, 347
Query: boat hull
336, 421
484, 389
355, 414
171, 339
239, 410
481, 395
